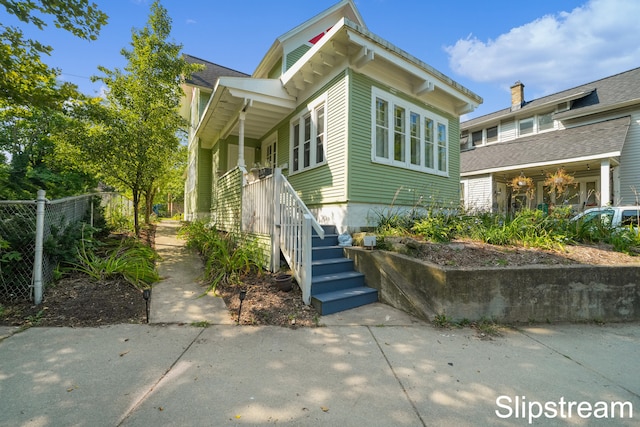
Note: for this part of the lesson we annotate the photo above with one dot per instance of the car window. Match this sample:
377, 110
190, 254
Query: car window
630, 217
605, 217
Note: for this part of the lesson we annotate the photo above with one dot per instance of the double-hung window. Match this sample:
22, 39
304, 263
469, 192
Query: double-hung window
408, 135
525, 126
270, 154
308, 137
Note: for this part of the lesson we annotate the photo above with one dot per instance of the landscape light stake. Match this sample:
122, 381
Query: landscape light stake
146, 294
243, 294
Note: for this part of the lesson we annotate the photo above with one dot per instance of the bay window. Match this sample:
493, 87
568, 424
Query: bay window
419, 137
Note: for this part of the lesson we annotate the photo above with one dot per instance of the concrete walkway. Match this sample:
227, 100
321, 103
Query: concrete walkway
179, 297
371, 366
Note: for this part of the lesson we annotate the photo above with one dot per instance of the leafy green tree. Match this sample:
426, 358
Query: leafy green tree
138, 128
32, 101
28, 136
24, 78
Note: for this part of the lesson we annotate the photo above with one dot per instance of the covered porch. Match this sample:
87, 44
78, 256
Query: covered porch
504, 177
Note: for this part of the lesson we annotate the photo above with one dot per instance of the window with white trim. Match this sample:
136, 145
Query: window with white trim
476, 138
407, 135
525, 126
270, 158
492, 134
308, 137
545, 121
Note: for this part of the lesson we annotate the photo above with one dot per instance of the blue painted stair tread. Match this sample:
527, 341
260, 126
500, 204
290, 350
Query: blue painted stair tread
335, 285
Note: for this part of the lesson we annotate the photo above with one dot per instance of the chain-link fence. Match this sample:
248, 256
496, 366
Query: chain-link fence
34, 235
17, 249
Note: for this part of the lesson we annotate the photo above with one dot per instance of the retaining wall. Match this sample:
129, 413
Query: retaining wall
507, 294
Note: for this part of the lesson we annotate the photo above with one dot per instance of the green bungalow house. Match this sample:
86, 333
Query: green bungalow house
334, 125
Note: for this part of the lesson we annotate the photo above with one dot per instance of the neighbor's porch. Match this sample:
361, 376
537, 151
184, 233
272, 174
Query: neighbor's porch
595, 183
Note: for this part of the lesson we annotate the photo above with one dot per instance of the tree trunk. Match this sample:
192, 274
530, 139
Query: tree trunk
136, 210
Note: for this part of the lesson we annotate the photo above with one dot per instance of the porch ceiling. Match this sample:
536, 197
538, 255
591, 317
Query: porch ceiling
263, 100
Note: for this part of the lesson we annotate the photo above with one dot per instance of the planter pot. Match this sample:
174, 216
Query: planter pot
264, 172
283, 282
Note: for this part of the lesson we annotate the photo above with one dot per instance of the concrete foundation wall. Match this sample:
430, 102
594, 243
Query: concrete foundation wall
518, 294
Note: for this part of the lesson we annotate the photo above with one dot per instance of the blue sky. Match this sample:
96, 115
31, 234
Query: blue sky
549, 45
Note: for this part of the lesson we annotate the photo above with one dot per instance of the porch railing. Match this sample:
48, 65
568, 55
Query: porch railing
293, 228
271, 206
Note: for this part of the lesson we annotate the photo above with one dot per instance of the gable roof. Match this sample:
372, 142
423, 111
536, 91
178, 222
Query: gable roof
593, 141
342, 9
265, 101
589, 98
208, 77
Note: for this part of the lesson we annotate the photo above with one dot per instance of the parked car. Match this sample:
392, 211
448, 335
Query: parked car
611, 216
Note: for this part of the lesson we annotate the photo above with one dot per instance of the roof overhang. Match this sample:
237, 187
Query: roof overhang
581, 112
580, 145
569, 164
527, 110
264, 101
347, 41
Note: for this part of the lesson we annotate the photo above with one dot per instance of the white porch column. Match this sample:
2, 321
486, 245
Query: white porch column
605, 184
615, 176
241, 164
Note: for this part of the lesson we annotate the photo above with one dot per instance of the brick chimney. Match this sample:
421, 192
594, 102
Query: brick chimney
517, 95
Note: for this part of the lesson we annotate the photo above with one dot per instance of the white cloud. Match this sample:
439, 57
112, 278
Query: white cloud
191, 21
556, 52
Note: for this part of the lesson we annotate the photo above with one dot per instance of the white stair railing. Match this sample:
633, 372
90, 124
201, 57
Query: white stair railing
292, 232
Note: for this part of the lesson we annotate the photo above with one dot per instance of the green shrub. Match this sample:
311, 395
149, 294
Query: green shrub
128, 258
227, 256
440, 227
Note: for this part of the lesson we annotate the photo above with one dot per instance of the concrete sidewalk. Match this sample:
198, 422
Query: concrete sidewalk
178, 297
371, 366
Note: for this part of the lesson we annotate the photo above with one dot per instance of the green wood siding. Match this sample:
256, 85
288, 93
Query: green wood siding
202, 102
276, 71
370, 182
203, 180
294, 55
263, 242
227, 203
325, 183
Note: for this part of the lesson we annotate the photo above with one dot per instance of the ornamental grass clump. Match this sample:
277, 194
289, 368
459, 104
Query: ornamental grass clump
127, 258
227, 256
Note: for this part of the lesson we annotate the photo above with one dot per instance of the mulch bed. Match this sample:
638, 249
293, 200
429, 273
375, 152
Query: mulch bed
78, 300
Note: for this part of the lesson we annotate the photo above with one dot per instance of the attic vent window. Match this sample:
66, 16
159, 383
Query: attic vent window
317, 38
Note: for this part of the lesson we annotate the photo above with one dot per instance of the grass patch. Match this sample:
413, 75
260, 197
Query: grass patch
201, 324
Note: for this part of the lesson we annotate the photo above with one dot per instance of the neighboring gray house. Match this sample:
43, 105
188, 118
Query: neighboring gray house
592, 131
